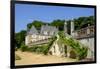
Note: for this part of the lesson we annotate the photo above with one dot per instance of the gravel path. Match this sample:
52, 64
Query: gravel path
28, 58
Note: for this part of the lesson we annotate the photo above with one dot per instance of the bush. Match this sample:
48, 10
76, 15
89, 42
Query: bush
73, 54
83, 53
45, 50
24, 48
80, 51
31, 49
39, 49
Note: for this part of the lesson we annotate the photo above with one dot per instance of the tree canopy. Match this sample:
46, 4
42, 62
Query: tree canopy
20, 38
80, 22
35, 23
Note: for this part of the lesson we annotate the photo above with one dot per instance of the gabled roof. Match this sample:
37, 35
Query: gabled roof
48, 28
33, 30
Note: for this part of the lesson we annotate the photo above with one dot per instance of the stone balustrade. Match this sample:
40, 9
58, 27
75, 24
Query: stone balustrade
84, 32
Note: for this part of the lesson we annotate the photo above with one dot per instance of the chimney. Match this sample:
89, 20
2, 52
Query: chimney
72, 27
65, 27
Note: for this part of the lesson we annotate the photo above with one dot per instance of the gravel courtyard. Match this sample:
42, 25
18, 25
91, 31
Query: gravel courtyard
28, 58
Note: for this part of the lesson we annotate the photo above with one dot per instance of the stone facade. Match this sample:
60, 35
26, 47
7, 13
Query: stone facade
34, 36
89, 42
30, 39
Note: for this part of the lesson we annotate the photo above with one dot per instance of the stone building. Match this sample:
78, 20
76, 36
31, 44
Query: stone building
85, 36
35, 36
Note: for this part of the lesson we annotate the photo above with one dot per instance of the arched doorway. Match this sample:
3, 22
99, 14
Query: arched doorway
73, 54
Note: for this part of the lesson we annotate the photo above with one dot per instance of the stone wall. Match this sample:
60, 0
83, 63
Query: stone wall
89, 42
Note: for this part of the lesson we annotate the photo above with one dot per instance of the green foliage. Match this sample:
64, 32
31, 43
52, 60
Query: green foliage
83, 53
17, 57
38, 49
36, 23
32, 49
20, 38
58, 23
43, 48
80, 51
24, 48
82, 22
49, 45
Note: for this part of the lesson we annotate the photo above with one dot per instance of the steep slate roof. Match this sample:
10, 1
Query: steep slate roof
48, 28
33, 30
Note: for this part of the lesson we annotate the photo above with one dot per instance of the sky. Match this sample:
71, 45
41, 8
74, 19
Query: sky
25, 13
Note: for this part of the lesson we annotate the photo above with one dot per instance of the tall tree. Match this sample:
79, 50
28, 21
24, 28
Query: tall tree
82, 22
20, 38
58, 23
35, 23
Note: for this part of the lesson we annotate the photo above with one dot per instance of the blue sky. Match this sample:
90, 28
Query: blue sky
25, 13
